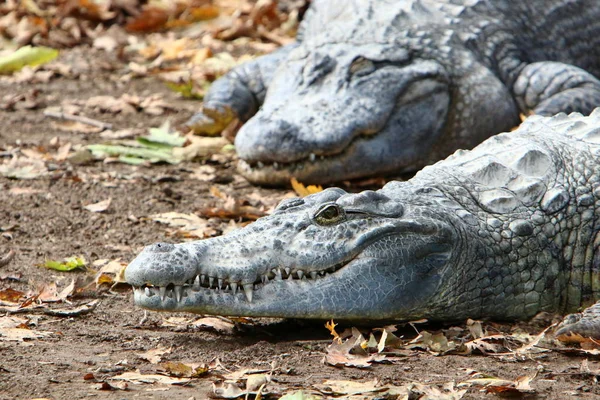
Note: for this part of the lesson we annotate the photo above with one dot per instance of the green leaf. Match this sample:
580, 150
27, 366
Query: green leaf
69, 264
188, 89
26, 55
130, 154
162, 137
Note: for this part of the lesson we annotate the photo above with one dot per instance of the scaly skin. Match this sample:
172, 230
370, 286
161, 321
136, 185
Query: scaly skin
504, 231
377, 87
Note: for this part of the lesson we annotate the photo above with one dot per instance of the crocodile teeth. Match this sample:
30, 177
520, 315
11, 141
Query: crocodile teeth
276, 165
248, 291
220, 284
265, 279
260, 164
277, 273
210, 281
287, 271
300, 274
312, 157
233, 287
163, 292
147, 291
313, 274
202, 278
196, 286
178, 293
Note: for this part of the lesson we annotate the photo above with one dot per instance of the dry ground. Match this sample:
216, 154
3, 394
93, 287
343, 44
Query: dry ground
52, 224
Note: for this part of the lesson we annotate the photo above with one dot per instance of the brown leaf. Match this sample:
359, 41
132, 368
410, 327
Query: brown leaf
150, 20
11, 295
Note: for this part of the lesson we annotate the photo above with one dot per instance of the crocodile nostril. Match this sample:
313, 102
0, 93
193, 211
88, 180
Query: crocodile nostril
162, 247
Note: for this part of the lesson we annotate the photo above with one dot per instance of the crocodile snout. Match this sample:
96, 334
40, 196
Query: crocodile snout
161, 264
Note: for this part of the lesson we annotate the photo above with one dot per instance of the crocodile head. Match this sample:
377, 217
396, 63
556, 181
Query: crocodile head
371, 90
329, 255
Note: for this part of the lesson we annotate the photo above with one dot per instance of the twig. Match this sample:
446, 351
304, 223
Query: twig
144, 318
7, 258
78, 118
81, 310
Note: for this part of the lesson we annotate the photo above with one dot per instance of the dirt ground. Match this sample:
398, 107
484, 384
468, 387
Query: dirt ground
50, 222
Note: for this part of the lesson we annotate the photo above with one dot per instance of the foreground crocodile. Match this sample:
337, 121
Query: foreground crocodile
387, 86
504, 231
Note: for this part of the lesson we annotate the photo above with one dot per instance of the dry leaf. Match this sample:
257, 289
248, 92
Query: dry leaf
188, 225
200, 147
154, 355
17, 191
100, 206
14, 329
111, 272
76, 126
350, 388
218, 324
350, 353
304, 191
11, 295
137, 377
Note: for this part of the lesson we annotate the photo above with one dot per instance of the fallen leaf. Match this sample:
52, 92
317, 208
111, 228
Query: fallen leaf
217, 324
138, 378
200, 147
204, 173
299, 395
162, 136
330, 325
100, 206
435, 343
154, 355
11, 295
23, 168
111, 272
76, 126
350, 353
349, 388
181, 370
14, 329
521, 385
69, 264
188, 225
26, 55
18, 191
304, 191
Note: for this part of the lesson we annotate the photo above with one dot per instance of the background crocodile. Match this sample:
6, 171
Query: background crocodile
504, 231
380, 86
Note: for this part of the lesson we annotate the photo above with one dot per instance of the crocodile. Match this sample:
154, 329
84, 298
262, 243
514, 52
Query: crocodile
379, 87
504, 231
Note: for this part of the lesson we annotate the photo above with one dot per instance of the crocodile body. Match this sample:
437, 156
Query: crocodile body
504, 231
375, 87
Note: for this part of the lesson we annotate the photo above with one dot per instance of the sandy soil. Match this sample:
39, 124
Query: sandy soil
52, 224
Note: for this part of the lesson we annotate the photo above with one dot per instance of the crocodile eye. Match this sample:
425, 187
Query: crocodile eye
330, 214
361, 66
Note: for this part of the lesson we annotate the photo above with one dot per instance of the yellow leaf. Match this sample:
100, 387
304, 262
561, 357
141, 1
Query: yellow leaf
302, 190
330, 325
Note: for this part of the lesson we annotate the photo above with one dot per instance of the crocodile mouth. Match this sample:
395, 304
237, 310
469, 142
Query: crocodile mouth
315, 168
208, 285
